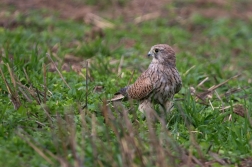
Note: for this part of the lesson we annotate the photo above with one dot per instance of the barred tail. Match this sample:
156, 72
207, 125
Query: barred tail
123, 91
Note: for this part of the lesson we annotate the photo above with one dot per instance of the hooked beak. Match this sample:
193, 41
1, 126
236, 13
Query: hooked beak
149, 54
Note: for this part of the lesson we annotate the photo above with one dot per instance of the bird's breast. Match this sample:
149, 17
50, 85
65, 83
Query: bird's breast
165, 81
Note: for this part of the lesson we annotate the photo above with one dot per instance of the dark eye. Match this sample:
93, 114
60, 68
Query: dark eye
156, 50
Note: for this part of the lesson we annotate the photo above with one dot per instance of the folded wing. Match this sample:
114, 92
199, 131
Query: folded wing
141, 88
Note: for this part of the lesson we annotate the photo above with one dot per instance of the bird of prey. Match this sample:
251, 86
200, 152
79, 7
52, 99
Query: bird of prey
159, 83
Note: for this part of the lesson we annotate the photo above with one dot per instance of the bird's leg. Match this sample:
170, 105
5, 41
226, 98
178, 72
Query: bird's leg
162, 110
169, 106
145, 106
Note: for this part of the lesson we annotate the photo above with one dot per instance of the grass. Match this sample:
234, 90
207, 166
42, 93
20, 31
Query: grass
47, 125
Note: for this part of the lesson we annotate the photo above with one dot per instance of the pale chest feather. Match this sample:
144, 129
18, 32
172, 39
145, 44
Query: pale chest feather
166, 82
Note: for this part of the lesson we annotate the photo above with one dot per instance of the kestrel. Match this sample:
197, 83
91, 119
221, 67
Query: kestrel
159, 83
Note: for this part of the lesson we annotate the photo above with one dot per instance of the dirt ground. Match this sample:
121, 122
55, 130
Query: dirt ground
130, 9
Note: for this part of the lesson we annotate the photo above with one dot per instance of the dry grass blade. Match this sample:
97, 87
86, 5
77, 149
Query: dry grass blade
131, 77
187, 71
39, 151
57, 57
202, 82
83, 129
224, 108
98, 89
217, 158
46, 112
18, 86
130, 145
41, 124
86, 85
232, 91
247, 162
105, 112
61, 76
72, 138
147, 17
195, 144
171, 145
14, 96
218, 96
6, 83
156, 149
45, 85
25, 94
187, 156
117, 128
119, 70
98, 21
94, 138
26, 75
13, 93
46, 154
61, 136
12, 76
236, 90
132, 137
216, 86
33, 93
208, 94
109, 117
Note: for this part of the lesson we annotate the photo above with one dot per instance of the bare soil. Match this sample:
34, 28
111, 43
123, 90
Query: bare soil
134, 8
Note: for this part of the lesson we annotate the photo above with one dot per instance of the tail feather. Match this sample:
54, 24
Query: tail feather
121, 95
123, 91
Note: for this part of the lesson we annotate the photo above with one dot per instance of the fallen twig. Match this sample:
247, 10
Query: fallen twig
208, 93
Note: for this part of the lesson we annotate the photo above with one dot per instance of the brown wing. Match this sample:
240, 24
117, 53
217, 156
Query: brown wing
141, 88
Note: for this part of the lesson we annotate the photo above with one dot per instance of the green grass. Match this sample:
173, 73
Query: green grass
109, 136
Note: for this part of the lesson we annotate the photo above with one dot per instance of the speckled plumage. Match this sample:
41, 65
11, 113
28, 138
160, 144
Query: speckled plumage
159, 83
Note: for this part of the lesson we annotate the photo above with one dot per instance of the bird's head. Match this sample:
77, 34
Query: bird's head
163, 54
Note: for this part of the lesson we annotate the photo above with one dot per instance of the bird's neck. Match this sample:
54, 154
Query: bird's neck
166, 64
154, 61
